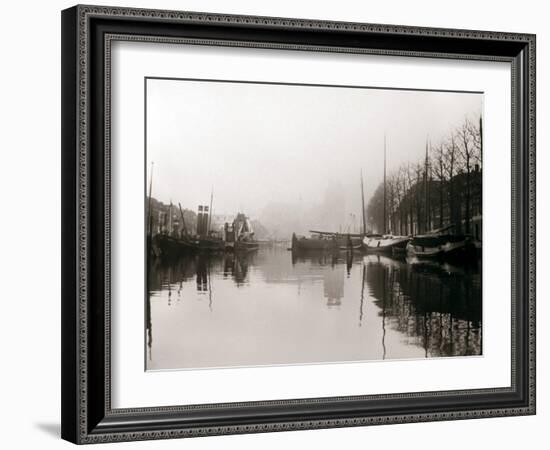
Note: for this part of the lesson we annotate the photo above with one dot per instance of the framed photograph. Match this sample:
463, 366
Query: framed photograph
279, 224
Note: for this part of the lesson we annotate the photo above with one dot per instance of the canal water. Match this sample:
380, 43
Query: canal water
270, 308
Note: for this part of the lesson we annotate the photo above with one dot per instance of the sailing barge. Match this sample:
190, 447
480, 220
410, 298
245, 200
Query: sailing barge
326, 241
385, 243
441, 244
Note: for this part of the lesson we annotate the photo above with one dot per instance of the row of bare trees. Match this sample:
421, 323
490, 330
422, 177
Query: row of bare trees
443, 189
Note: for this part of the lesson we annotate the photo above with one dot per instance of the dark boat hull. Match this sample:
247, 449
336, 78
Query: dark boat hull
242, 246
327, 244
209, 245
386, 245
442, 247
165, 246
305, 244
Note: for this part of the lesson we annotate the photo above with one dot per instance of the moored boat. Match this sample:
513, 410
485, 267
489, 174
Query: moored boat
316, 242
441, 244
209, 244
244, 246
326, 241
239, 235
384, 243
166, 246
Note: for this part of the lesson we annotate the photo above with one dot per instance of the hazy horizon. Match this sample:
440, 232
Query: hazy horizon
272, 151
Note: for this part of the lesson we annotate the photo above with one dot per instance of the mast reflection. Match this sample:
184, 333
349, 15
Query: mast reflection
378, 307
437, 305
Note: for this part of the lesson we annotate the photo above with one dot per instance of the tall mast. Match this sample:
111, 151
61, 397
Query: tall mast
363, 206
170, 218
183, 226
384, 226
210, 216
426, 196
150, 213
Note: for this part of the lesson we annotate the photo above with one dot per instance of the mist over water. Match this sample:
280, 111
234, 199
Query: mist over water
294, 158
270, 308
283, 219
288, 155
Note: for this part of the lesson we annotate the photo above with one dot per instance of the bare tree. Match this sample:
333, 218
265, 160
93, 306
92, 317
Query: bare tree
375, 209
439, 170
452, 169
410, 198
400, 192
466, 150
475, 132
448, 178
418, 170
395, 197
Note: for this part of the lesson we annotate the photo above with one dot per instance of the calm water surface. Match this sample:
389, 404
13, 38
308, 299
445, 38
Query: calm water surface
269, 307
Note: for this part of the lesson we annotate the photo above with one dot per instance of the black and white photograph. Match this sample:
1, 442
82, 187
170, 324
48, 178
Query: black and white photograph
275, 225
278, 218
302, 224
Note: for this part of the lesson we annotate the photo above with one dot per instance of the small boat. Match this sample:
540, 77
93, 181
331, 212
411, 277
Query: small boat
326, 241
166, 246
383, 243
441, 244
386, 243
244, 246
239, 235
317, 242
208, 244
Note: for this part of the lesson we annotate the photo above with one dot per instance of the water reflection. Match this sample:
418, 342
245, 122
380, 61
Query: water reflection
273, 307
439, 305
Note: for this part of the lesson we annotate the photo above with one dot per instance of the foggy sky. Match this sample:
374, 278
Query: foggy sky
256, 144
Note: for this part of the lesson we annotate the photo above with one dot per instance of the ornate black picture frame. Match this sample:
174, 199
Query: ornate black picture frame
87, 415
